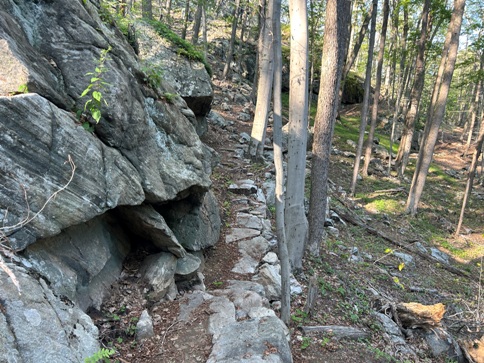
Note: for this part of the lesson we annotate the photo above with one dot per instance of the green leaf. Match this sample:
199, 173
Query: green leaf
96, 115
95, 79
86, 91
98, 70
97, 96
388, 250
401, 266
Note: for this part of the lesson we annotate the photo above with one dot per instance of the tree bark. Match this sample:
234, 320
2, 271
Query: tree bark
295, 217
264, 86
366, 99
470, 177
376, 94
334, 48
437, 107
146, 9
401, 161
185, 19
277, 140
198, 21
230, 54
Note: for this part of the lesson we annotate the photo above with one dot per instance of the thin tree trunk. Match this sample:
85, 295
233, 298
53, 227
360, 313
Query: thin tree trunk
198, 21
470, 177
185, 20
335, 36
277, 138
295, 217
146, 9
264, 88
260, 24
376, 95
475, 107
366, 99
230, 54
415, 96
437, 107
361, 35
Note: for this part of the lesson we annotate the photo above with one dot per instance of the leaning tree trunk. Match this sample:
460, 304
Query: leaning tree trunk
470, 177
475, 107
334, 48
277, 139
295, 217
366, 99
376, 94
437, 107
230, 54
401, 161
264, 87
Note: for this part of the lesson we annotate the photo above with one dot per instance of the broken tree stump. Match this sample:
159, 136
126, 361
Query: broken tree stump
415, 315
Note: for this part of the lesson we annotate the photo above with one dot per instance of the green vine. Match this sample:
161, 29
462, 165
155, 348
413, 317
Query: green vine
102, 355
95, 87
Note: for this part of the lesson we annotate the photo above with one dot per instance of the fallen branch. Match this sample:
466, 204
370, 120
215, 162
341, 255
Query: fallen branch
337, 331
405, 245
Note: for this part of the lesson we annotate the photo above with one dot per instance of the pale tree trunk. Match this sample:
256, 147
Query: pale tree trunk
334, 48
401, 161
168, 10
277, 140
264, 87
376, 94
366, 99
204, 31
230, 54
295, 217
437, 107
470, 177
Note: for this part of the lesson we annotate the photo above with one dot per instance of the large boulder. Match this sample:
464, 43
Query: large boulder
83, 261
36, 139
37, 326
188, 77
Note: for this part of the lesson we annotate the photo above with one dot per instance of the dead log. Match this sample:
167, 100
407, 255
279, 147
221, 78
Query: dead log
405, 245
473, 349
337, 331
415, 315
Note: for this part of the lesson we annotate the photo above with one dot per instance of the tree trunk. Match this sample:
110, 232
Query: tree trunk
470, 177
277, 138
334, 48
366, 99
264, 87
401, 161
437, 106
376, 95
475, 106
260, 26
185, 20
198, 21
361, 36
295, 217
146, 9
230, 54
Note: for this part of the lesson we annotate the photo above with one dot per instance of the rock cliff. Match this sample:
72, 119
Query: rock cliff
141, 177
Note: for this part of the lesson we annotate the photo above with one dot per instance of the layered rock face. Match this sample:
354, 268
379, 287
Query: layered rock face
73, 203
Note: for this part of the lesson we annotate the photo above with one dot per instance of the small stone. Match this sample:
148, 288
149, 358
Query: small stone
439, 255
144, 327
271, 258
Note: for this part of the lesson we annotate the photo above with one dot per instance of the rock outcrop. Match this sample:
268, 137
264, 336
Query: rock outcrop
72, 202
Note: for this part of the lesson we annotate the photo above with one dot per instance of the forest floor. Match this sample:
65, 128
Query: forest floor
344, 287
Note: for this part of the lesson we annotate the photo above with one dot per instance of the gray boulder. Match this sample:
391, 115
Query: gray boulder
67, 334
195, 223
189, 78
159, 272
83, 261
35, 147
